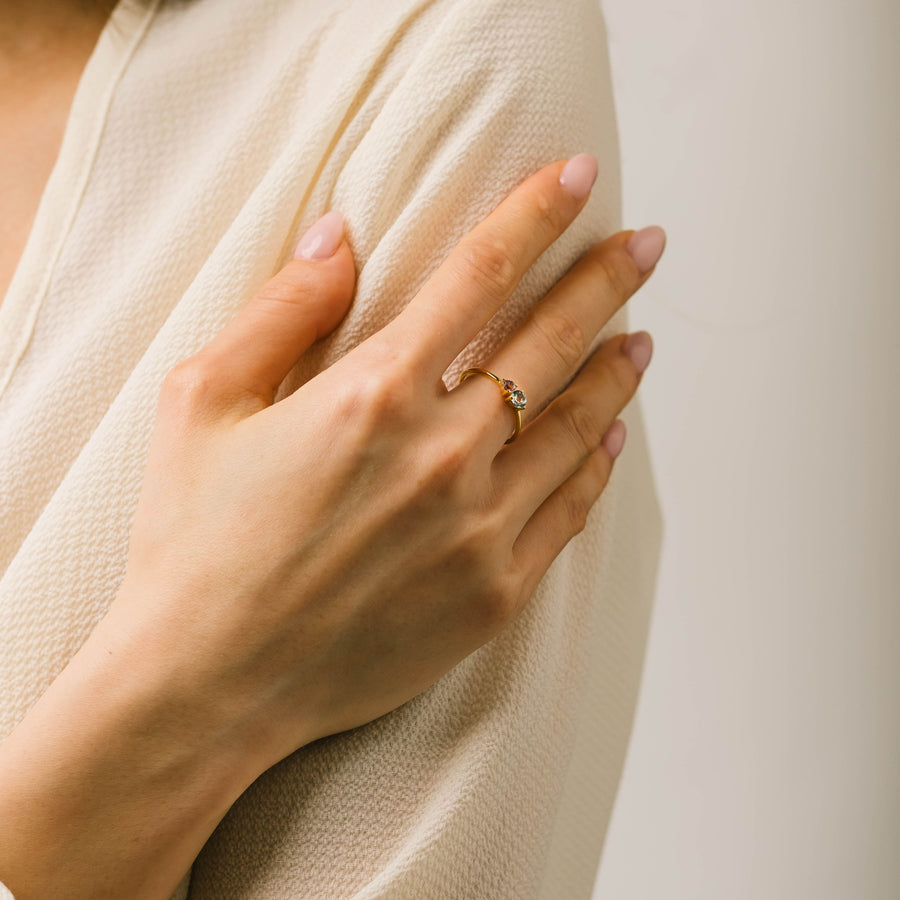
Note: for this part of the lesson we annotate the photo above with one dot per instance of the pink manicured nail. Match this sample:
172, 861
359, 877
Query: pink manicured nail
578, 175
323, 237
638, 347
646, 247
614, 439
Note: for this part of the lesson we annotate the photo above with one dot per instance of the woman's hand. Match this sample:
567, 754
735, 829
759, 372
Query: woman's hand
316, 562
302, 567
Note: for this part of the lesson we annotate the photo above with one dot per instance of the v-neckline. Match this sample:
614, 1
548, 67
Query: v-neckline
69, 177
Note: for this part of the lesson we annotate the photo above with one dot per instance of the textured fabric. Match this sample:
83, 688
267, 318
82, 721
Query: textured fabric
204, 138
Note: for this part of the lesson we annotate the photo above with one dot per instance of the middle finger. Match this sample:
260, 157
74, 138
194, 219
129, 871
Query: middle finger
485, 267
568, 432
544, 353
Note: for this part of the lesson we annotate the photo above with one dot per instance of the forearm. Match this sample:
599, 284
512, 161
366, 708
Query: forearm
112, 783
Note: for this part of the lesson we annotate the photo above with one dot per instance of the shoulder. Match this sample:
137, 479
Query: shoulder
505, 84
544, 38
443, 62
467, 99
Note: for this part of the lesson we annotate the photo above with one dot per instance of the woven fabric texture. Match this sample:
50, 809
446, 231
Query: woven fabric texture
205, 137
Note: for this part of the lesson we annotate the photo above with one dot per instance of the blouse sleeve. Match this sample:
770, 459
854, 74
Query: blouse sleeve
208, 137
499, 780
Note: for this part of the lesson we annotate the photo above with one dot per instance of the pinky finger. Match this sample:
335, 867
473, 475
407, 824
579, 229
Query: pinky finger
564, 513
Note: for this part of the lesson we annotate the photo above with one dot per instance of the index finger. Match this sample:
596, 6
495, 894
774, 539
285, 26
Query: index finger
485, 267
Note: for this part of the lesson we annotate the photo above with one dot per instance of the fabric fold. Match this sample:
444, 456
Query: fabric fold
231, 128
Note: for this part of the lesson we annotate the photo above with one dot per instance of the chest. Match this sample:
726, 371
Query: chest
31, 133
34, 109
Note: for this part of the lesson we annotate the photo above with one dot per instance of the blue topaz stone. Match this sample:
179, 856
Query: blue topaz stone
517, 398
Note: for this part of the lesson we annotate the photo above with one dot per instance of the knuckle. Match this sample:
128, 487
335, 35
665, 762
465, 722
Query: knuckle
286, 287
297, 282
577, 506
378, 389
389, 357
189, 388
620, 272
582, 425
375, 398
478, 537
443, 471
489, 263
549, 214
497, 606
454, 457
562, 333
497, 600
623, 375
380, 399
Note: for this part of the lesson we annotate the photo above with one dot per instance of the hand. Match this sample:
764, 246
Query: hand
316, 562
301, 567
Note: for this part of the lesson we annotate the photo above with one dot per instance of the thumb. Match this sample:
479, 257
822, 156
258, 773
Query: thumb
293, 309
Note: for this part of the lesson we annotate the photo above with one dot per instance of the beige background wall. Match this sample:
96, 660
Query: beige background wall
764, 135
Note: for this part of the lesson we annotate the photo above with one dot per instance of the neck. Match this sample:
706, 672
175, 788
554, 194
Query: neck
31, 29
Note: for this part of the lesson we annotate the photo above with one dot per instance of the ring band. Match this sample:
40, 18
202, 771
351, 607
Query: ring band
513, 397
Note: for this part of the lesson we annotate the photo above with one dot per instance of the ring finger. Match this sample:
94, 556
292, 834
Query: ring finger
567, 433
547, 349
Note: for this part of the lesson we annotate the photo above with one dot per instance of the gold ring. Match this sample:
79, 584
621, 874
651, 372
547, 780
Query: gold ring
512, 395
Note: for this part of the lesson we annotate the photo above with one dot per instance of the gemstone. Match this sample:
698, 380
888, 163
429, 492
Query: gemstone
508, 385
517, 398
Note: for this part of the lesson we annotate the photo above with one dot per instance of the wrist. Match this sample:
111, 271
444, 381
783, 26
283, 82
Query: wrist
201, 671
116, 776
212, 669
185, 718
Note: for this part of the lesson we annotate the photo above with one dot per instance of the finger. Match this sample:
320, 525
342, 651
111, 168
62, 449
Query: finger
570, 430
484, 268
544, 353
560, 517
293, 309
546, 350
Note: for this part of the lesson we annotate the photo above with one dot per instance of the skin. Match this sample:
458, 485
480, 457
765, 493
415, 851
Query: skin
315, 585
281, 587
44, 47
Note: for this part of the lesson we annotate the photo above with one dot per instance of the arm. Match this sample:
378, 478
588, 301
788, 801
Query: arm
111, 784
404, 216
520, 746
263, 610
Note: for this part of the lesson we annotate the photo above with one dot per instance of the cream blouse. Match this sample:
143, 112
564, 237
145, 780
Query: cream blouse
204, 137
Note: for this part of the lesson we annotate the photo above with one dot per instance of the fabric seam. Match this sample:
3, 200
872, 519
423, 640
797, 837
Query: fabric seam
74, 164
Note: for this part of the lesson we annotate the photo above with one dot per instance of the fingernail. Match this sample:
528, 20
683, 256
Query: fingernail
323, 237
638, 347
579, 174
646, 247
614, 439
